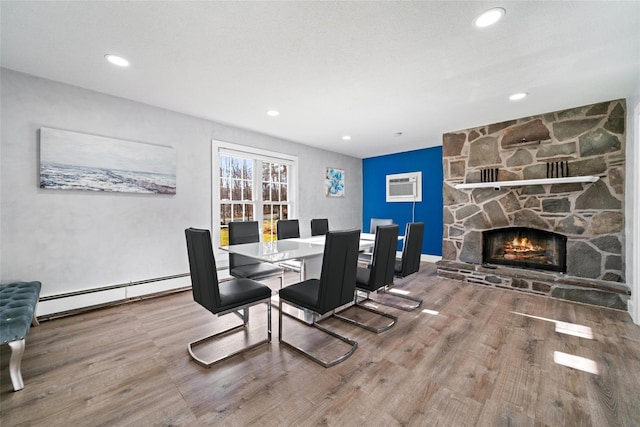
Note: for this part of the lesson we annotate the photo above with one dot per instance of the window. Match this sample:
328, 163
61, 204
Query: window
251, 185
236, 192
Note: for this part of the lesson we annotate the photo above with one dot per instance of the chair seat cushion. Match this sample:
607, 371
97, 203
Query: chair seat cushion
238, 292
362, 279
303, 294
17, 303
398, 267
256, 271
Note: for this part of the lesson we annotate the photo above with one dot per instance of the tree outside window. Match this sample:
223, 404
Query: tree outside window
236, 193
274, 196
239, 201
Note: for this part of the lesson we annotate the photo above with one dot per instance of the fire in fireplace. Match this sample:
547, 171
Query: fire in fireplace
525, 247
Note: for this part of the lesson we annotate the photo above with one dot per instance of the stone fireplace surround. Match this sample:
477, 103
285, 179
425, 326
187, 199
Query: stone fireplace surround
591, 140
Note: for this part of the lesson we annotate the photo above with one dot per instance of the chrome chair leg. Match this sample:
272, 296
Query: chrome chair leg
359, 305
245, 317
325, 363
269, 320
411, 307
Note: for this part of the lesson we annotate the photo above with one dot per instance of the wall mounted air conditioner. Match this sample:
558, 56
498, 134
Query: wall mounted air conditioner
404, 187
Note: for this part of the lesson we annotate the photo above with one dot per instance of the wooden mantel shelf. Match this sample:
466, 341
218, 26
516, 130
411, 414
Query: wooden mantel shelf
522, 182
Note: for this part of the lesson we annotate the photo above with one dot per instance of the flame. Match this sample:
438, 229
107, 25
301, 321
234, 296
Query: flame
520, 245
523, 243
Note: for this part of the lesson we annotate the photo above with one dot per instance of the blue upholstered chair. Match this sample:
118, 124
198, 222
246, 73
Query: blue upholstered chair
17, 313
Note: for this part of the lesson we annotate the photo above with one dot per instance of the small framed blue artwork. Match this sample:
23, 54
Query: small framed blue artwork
334, 182
79, 161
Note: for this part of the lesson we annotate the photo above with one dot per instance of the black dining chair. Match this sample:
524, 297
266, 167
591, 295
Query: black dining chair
232, 296
319, 226
409, 263
411, 250
244, 267
289, 229
377, 277
335, 288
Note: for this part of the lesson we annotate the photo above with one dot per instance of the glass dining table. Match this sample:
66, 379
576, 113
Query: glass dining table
307, 249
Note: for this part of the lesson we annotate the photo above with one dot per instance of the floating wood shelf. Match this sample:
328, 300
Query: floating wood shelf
523, 182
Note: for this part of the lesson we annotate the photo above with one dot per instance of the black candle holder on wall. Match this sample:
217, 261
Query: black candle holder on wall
558, 169
489, 174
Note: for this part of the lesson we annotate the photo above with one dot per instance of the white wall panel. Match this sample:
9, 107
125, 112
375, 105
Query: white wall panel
78, 240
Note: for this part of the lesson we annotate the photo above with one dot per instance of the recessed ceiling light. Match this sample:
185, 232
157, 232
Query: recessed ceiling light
116, 60
518, 96
489, 17
346, 137
273, 113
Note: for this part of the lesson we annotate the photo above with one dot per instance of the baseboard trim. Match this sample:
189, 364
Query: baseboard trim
430, 258
73, 302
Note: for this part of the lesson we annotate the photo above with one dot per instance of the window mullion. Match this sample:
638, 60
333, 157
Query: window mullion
257, 192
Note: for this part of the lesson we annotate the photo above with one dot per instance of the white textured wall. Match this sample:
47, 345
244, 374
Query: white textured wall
74, 240
632, 204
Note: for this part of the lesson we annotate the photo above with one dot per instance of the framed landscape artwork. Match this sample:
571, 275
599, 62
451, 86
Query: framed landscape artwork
79, 161
334, 182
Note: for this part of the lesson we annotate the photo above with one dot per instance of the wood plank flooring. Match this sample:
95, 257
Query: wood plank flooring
488, 357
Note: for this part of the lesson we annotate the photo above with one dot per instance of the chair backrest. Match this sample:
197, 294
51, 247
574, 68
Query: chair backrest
287, 229
339, 266
242, 232
412, 248
375, 222
319, 226
202, 265
384, 256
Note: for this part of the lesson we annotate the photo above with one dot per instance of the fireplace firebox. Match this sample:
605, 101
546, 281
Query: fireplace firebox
526, 248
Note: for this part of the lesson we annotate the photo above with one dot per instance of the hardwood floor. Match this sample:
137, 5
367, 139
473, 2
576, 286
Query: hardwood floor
477, 357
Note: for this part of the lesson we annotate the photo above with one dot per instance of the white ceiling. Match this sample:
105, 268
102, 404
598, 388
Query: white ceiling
366, 69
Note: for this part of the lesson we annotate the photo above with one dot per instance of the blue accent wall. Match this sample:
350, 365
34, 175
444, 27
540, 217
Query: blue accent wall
429, 211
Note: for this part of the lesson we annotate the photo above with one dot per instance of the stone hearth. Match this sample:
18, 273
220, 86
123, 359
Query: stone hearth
591, 141
588, 291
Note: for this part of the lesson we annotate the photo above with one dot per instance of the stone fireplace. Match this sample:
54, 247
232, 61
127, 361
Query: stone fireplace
573, 224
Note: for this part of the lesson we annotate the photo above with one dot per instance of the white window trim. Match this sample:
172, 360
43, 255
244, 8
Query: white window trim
634, 274
229, 148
